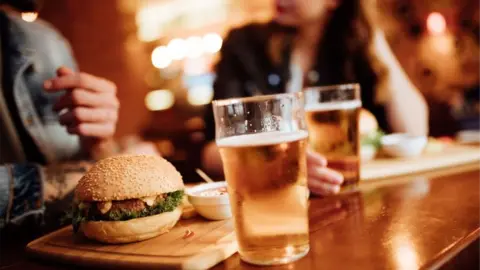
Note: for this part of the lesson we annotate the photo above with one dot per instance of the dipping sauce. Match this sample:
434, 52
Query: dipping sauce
213, 192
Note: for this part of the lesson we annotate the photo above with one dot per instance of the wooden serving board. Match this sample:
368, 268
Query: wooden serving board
451, 155
211, 243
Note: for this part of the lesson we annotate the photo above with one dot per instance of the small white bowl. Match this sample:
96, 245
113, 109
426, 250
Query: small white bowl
403, 145
216, 207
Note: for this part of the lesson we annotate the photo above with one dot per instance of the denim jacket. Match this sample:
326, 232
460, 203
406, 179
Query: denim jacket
36, 51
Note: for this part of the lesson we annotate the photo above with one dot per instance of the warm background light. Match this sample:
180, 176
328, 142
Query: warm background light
159, 100
29, 16
200, 95
161, 57
177, 48
436, 23
194, 47
150, 20
212, 43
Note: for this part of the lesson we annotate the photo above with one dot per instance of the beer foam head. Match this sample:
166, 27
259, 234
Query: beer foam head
264, 138
332, 106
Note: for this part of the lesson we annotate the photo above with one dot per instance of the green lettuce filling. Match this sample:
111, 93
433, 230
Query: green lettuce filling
82, 213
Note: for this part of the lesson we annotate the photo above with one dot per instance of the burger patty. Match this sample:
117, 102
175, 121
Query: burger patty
125, 209
132, 205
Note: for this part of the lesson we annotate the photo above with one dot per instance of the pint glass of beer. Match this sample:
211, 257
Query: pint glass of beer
332, 117
262, 141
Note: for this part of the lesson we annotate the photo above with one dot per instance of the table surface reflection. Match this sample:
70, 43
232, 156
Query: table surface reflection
412, 222
419, 221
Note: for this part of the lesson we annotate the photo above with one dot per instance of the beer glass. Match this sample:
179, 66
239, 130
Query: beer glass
332, 114
262, 142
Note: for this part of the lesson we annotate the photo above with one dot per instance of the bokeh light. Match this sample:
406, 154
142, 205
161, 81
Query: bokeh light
159, 100
212, 43
194, 47
200, 95
195, 123
161, 57
29, 16
177, 48
149, 20
436, 23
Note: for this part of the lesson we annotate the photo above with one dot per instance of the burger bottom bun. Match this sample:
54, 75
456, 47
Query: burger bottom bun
133, 230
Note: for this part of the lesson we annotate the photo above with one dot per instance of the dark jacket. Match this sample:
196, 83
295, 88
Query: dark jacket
31, 53
254, 62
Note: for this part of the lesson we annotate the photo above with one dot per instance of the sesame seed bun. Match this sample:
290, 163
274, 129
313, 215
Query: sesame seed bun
128, 177
133, 230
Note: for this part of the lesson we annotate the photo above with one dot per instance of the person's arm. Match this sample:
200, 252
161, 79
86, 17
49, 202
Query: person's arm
405, 107
25, 189
21, 193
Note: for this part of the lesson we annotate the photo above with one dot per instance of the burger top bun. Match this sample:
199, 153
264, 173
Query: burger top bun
128, 177
367, 122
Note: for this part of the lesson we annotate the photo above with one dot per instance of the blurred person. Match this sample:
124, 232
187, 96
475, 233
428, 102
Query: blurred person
451, 90
316, 43
50, 116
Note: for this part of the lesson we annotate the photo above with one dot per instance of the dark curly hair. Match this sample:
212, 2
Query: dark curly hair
344, 51
344, 54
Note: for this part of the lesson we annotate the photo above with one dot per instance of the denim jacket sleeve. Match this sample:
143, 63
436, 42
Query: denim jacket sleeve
21, 194
37, 50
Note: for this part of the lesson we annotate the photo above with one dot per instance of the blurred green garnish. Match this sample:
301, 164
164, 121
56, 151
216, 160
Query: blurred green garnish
373, 138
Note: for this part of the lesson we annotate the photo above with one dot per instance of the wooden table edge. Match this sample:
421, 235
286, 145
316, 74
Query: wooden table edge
451, 251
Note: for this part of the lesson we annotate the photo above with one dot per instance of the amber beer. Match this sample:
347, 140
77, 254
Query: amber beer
267, 178
333, 132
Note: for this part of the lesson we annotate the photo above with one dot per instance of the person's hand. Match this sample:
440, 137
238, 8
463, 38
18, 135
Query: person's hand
90, 105
322, 180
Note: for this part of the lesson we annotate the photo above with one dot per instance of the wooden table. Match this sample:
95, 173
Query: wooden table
419, 221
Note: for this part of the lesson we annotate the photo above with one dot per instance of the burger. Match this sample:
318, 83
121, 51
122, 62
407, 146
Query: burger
370, 135
127, 199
